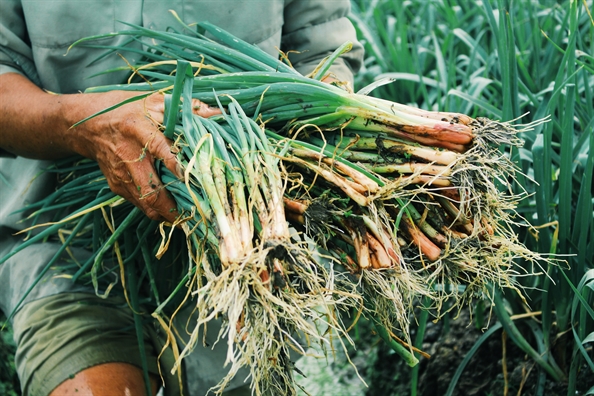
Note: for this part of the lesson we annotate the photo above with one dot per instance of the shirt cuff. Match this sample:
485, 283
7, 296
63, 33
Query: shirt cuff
4, 68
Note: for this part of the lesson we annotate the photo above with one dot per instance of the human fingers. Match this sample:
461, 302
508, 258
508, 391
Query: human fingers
126, 142
136, 180
127, 157
155, 108
204, 110
332, 80
161, 147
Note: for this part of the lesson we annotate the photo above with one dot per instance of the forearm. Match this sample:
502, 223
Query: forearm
33, 122
37, 124
125, 142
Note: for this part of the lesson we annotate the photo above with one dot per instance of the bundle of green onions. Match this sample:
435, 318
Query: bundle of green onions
387, 202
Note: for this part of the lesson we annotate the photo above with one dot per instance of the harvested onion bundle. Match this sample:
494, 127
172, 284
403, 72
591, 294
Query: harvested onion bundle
404, 199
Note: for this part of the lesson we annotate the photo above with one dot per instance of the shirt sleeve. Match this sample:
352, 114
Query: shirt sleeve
313, 29
16, 55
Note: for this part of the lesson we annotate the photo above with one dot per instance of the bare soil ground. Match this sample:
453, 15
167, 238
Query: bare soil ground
489, 372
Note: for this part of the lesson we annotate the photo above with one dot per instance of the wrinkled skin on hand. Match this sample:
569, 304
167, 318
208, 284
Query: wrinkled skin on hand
126, 142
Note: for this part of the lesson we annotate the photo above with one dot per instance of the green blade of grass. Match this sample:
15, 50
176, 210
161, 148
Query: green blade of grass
110, 108
469, 355
489, 108
82, 223
138, 325
184, 71
520, 340
418, 343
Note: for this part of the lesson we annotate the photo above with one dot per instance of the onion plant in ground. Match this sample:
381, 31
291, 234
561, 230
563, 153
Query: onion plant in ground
506, 60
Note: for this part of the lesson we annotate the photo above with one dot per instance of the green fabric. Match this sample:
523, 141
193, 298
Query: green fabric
61, 335
35, 35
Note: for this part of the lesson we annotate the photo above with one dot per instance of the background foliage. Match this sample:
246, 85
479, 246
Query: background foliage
507, 60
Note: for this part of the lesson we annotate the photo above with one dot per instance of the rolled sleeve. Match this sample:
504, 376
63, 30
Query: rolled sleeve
314, 29
16, 55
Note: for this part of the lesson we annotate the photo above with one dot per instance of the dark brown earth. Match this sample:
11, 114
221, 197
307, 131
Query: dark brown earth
448, 343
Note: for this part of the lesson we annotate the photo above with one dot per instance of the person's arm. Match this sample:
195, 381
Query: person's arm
125, 142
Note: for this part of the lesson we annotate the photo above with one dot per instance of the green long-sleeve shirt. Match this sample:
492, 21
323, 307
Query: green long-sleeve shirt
35, 35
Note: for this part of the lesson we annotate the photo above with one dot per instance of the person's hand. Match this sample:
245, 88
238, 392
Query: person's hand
125, 142
333, 80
